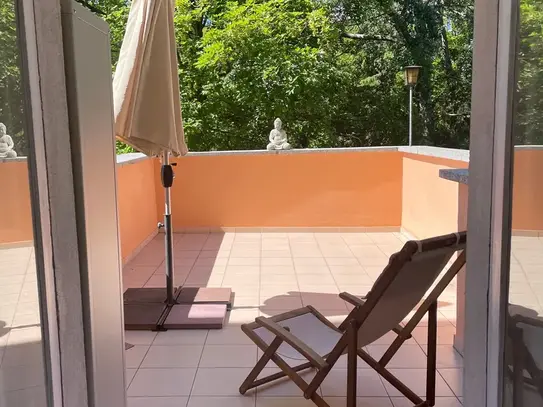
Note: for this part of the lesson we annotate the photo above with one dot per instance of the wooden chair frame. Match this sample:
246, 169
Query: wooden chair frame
349, 329
523, 360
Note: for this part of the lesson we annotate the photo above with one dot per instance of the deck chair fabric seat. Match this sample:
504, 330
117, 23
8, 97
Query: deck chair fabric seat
413, 280
309, 329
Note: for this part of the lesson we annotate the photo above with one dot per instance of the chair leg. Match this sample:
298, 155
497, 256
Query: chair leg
279, 375
263, 361
352, 358
389, 377
431, 361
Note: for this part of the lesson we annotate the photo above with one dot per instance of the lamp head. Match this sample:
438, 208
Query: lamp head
411, 75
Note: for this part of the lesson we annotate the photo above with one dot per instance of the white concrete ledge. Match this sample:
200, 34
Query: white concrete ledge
439, 152
529, 147
293, 152
131, 158
12, 160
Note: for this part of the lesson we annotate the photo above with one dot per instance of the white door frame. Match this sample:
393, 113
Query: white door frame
67, 327
489, 206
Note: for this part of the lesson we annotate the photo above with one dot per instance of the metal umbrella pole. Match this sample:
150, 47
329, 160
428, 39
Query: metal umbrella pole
167, 176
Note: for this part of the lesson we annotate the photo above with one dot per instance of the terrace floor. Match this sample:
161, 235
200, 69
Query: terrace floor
269, 274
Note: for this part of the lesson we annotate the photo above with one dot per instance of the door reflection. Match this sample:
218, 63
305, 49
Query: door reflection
22, 374
523, 364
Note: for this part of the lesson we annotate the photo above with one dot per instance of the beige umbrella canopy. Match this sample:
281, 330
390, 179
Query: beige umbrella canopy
146, 82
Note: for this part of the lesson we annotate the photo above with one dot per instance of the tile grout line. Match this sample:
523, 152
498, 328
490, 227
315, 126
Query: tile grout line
197, 369
448, 385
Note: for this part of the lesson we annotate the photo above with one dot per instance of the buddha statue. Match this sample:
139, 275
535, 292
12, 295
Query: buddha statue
278, 137
6, 144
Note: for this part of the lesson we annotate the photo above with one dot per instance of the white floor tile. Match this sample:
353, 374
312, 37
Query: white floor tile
445, 335
232, 401
231, 335
134, 356
139, 337
157, 401
408, 356
448, 357
162, 382
181, 337
283, 387
360, 401
129, 375
19, 378
283, 402
172, 356
229, 356
415, 379
390, 337
30, 354
454, 378
33, 396
219, 381
369, 384
440, 402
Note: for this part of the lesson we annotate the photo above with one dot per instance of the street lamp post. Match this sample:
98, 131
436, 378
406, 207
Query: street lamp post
411, 74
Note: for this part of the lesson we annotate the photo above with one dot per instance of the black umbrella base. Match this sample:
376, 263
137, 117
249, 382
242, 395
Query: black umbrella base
144, 317
145, 296
196, 316
161, 317
195, 308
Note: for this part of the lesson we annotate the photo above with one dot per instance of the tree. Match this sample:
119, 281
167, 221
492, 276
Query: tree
11, 94
330, 69
529, 92
436, 35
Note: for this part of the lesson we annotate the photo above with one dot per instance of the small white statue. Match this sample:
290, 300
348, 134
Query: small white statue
278, 137
6, 144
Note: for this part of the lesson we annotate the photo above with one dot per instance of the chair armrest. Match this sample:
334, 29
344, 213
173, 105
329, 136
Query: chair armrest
352, 299
292, 340
536, 322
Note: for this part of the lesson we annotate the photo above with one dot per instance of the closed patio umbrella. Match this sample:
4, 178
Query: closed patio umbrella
146, 82
148, 117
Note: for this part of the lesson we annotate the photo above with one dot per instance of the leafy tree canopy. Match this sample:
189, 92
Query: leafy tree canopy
332, 70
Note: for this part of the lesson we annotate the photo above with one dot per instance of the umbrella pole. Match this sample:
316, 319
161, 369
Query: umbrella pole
167, 182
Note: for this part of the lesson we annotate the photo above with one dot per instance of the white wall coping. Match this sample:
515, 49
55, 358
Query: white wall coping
131, 158
12, 160
439, 152
294, 151
429, 151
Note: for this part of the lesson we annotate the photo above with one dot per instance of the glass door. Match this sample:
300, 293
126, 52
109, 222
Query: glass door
27, 336
522, 363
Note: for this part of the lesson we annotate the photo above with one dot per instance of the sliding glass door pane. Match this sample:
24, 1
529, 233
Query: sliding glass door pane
523, 354
22, 368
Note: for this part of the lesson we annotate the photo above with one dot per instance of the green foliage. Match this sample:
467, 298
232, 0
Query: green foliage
529, 123
11, 94
331, 69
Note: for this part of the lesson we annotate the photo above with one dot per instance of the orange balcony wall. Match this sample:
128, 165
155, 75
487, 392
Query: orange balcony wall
431, 206
136, 204
16, 218
375, 187
527, 192
309, 189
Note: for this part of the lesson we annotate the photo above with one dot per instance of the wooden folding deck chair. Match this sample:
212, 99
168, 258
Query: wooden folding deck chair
525, 358
305, 334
